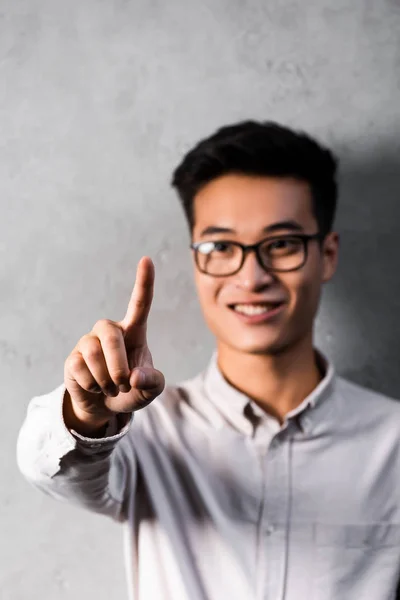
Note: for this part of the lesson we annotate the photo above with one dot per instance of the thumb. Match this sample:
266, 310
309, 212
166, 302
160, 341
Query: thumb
148, 380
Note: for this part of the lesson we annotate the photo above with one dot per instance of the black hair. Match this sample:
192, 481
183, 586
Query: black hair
260, 149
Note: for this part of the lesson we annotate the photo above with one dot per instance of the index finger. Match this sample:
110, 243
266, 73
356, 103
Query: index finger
142, 295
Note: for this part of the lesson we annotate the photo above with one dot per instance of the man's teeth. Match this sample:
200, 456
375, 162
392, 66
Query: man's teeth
252, 309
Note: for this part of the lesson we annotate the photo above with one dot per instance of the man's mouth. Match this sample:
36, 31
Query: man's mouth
255, 309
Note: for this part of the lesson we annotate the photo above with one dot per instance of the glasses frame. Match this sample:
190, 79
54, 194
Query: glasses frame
246, 249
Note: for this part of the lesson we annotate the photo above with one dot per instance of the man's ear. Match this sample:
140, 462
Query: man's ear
330, 255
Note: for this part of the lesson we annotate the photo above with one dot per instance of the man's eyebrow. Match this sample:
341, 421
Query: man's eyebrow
213, 229
291, 225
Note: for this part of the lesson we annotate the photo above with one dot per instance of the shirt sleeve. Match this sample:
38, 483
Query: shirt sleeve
92, 473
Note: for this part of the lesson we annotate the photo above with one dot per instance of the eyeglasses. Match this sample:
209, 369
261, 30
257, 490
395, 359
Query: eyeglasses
281, 253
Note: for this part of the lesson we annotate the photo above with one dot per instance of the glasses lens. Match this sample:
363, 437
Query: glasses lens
283, 254
219, 258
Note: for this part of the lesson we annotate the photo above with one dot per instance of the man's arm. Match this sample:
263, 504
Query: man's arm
91, 472
107, 377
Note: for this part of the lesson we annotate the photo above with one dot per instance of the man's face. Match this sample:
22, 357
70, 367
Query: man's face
250, 209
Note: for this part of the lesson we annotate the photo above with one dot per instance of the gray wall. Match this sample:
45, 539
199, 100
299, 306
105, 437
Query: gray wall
98, 101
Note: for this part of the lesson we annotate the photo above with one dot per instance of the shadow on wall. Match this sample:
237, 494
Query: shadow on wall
358, 322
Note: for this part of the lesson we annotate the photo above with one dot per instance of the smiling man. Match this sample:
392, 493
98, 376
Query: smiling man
267, 476
260, 266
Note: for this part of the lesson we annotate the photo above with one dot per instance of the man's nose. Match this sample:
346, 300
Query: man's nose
252, 275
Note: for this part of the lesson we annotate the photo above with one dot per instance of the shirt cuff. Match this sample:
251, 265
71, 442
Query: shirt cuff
117, 427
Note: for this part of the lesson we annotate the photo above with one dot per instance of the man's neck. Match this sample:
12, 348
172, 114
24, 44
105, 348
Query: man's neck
277, 383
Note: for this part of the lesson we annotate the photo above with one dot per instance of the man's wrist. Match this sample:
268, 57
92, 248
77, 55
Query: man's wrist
83, 423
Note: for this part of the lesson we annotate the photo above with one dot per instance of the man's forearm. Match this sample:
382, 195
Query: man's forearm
69, 467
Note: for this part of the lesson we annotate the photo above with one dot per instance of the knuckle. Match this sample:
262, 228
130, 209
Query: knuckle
112, 340
74, 362
140, 302
86, 341
120, 376
148, 287
105, 383
90, 348
143, 294
102, 324
93, 352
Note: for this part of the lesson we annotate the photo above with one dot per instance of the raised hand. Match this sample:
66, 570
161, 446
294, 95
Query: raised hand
110, 370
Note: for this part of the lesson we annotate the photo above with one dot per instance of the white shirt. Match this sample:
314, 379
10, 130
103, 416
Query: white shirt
219, 501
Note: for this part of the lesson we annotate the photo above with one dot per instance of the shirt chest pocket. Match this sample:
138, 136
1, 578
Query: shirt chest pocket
356, 560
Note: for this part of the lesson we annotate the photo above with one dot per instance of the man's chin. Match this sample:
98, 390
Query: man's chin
259, 347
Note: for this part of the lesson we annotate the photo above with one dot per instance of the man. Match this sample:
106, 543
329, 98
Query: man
267, 476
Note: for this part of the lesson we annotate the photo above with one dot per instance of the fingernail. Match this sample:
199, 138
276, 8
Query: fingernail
124, 388
112, 390
95, 389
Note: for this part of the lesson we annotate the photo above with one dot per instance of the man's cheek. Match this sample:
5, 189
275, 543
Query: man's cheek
208, 302
208, 294
213, 311
306, 300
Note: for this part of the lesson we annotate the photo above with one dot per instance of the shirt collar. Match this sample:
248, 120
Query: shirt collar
233, 404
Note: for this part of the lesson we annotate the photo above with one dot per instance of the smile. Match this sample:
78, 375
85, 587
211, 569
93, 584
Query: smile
256, 313
253, 309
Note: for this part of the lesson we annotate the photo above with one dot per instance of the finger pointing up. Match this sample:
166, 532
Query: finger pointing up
142, 296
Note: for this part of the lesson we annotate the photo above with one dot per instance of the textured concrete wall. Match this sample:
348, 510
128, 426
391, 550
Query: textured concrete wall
98, 101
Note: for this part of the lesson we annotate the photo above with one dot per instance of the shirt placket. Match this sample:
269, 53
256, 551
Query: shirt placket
274, 519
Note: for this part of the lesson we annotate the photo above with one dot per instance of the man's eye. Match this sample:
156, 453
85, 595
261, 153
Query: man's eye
284, 245
207, 247
221, 247
278, 244
214, 248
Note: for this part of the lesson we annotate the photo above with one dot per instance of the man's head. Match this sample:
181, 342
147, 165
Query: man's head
245, 184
